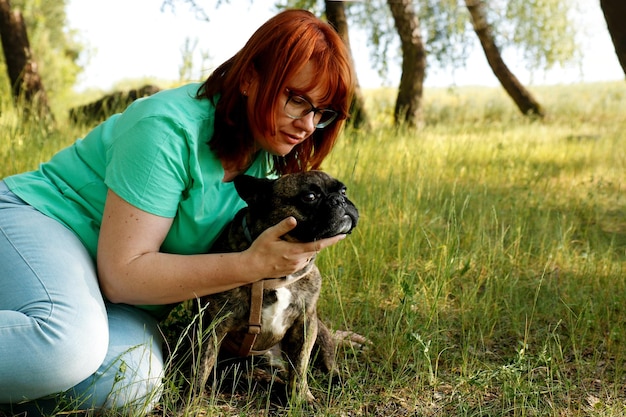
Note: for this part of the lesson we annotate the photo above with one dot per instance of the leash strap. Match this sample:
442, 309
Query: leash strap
254, 322
256, 311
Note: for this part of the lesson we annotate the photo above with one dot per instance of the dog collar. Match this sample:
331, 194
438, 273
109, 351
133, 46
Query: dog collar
246, 230
274, 283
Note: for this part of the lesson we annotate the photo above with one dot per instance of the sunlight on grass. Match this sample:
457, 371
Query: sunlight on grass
489, 262
488, 266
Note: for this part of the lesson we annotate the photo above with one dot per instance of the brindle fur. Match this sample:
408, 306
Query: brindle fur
269, 202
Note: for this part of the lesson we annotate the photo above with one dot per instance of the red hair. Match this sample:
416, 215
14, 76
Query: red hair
277, 51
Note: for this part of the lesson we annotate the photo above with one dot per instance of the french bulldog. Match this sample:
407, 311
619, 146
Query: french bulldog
286, 315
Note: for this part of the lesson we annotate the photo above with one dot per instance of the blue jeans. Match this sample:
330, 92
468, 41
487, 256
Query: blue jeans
59, 340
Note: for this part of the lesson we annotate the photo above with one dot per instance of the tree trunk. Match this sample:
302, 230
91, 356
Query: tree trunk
615, 16
336, 16
522, 97
409, 101
26, 83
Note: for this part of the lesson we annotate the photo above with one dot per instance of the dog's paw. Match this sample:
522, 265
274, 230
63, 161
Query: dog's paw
351, 340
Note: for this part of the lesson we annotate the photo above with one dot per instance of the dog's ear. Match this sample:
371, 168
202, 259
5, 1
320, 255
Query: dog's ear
253, 190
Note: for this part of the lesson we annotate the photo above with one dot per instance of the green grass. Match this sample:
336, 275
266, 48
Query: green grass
488, 267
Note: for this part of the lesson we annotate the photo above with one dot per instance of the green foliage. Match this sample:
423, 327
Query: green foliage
54, 46
448, 32
542, 31
382, 34
487, 267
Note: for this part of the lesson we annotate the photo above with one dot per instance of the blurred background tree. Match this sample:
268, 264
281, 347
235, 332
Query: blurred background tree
541, 33
55, 49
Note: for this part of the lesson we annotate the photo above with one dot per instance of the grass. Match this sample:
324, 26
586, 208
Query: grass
488, 267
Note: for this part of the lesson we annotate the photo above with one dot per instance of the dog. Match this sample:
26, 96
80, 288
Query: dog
282, 311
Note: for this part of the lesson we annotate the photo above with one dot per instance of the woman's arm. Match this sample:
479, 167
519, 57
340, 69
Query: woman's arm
133, 271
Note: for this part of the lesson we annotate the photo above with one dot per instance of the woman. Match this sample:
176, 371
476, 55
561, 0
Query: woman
97, 242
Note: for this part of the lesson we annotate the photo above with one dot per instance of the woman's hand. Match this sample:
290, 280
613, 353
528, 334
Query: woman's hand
272, 257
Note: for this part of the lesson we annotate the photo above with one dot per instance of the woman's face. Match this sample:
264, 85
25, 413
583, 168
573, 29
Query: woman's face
289, 131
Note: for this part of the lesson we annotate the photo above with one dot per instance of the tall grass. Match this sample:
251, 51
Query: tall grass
488, 267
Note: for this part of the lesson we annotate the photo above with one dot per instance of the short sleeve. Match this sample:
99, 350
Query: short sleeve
147, 163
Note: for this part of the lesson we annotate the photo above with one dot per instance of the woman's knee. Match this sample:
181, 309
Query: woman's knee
76, 355
130, 379
45, 359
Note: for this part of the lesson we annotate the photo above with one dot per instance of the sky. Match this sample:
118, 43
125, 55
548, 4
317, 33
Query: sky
134, 39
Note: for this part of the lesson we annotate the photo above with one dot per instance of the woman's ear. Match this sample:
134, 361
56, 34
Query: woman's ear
249, 81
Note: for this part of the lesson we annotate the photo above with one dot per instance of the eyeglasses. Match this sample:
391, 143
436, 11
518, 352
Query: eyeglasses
298, 107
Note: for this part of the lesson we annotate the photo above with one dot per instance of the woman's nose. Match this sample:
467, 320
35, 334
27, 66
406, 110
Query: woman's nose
307, 122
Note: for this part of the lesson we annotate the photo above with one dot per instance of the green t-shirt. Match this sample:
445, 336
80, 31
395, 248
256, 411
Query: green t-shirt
156, 157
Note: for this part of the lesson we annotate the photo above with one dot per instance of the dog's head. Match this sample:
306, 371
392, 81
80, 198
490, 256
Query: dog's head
316, 200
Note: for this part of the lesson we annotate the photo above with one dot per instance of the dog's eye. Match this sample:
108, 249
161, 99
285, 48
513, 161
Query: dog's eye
343, 191
309, 197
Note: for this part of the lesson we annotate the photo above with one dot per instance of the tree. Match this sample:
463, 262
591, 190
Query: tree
21, 67
539, 30
542, 31
522, 97
336, 16
408, 107
53, 45
615, 16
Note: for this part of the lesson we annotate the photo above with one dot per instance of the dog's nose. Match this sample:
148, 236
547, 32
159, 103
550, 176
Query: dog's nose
337, 200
